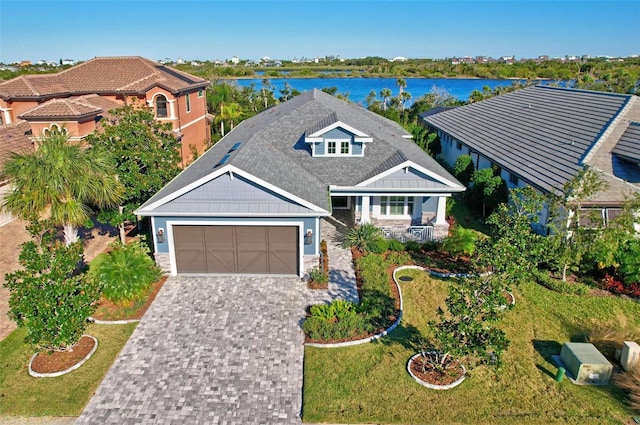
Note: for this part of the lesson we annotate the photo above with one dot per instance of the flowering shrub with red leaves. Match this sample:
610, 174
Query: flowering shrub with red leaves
615, 286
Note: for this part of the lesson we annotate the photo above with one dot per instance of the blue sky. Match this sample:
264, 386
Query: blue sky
216, 29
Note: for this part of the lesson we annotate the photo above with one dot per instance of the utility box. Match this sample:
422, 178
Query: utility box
585, 363
630, 357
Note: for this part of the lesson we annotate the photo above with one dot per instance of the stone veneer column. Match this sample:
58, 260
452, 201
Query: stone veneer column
441, 226
163, 261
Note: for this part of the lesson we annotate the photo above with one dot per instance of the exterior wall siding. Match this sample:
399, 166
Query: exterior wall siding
307, 223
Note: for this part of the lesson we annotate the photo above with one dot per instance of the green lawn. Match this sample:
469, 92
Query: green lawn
369, 383
23, 395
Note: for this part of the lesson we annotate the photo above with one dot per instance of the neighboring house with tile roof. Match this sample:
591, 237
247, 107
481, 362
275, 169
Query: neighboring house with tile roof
13, 138
78, 97
543, 136
255, 201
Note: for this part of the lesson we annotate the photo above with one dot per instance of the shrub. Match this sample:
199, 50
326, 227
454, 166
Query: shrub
126, 272
379, 246
338, 320
50, 296
412, 246
460, 241
558, 285
630, 381
398, 258
318, 275
362, 237
430, 246
395, 245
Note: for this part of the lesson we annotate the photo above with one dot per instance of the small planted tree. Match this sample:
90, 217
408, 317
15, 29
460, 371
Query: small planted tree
570, 240
467, 331
51, 297
514, 250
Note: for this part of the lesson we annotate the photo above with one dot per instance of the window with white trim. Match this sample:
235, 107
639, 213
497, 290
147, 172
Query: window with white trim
396, 205
200, 93
161, 106
188, 102
338, 147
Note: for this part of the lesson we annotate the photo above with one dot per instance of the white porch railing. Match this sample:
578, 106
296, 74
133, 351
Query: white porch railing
411, 233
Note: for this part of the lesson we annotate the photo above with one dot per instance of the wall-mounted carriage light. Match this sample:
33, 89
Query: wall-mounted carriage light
308, 237
160, 235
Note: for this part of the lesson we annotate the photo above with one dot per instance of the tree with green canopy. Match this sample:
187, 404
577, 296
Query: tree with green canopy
146, 156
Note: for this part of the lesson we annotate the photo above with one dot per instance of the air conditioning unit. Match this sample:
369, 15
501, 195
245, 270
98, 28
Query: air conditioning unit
585, 364
630, 357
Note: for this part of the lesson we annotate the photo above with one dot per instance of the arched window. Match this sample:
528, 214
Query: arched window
53, 130
161, 106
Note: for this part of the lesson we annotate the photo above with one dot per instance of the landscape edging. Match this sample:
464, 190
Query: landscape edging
63, 372
377, 336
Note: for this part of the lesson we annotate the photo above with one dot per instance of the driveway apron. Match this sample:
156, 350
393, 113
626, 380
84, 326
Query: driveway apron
210, 350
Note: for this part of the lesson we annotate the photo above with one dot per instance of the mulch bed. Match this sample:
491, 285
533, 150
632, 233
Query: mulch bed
394, 294
312, 284
443, 262
108, 310
431, 376
57, 361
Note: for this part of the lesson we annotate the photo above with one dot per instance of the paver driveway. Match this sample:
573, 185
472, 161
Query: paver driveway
210, 350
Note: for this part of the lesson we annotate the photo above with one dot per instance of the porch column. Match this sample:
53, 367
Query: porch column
441, 213
364, 209
441, 227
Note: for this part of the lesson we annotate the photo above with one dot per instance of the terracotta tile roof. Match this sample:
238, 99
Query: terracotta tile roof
72, 108
33, 85
14, 139
61, 108
126, 74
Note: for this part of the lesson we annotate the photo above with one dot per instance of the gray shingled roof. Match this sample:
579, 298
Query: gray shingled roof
273, 149
628, 147
541, 133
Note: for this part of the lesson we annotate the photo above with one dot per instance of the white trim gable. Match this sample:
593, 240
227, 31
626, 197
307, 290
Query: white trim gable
219, 172
410, 164
358, 136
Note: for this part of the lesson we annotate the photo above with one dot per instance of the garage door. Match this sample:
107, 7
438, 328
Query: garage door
236, 249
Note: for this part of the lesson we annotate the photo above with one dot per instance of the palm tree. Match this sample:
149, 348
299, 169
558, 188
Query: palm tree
385, 94
61, 179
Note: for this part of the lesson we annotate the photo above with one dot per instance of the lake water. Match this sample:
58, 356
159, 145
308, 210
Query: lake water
359, 88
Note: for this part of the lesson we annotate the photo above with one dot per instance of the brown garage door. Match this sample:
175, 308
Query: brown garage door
236, 249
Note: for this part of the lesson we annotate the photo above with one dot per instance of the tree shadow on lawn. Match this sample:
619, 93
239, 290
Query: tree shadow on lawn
408, 336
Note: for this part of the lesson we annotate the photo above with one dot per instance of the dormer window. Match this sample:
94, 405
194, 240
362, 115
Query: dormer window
331, 137
333, 145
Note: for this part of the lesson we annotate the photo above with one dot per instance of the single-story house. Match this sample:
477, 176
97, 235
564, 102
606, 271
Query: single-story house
543, 136
255, 201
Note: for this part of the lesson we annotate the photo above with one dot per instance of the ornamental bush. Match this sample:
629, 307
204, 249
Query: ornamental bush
51, 297
362, 237
126, 272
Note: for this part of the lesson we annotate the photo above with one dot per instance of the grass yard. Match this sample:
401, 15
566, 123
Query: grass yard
369, 383
67, 395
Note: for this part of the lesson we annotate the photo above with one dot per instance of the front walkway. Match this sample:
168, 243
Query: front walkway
342, 277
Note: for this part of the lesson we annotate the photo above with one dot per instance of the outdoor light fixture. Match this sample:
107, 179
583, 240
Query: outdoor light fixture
308, 237
160, 235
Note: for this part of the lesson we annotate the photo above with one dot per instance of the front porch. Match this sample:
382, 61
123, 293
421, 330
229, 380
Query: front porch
405, 218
